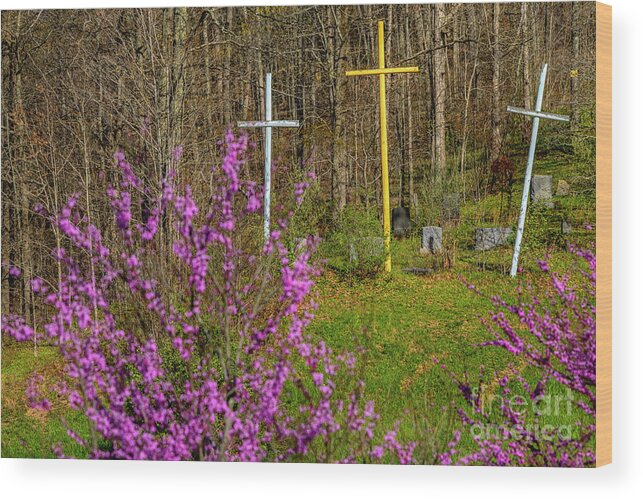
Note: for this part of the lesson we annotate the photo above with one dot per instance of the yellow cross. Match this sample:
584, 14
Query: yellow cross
382, 71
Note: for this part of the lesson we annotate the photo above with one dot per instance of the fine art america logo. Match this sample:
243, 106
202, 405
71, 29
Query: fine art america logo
545, 407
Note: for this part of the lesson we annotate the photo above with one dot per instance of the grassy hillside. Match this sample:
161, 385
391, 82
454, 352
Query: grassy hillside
409, 325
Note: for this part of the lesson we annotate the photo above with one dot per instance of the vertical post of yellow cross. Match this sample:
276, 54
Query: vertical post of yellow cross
382, 71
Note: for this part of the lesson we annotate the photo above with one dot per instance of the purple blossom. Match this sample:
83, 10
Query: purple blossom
34, 398
177, 153
14, 271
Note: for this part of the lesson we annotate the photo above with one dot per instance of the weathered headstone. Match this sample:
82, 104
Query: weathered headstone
565, 227
366, 247
418, 271
431, 240
401, 221
488, 238
562, 189
541, 187
451, 207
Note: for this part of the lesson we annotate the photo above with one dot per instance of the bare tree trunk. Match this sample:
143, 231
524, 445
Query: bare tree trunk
180, 15
209, 98
467, 101
496, 138
525, 21
163, 97
337, 54
575, 63
300, 104
21, 171
227, 64
409, 112
439, 87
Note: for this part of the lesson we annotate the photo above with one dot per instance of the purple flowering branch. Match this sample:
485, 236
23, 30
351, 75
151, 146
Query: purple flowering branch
555, 336
204, 362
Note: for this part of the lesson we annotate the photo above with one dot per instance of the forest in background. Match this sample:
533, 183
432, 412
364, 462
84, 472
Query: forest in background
79, 84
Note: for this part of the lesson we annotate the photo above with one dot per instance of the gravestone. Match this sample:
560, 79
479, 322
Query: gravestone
401, 221
488, 238
565, 227
451, 207
366, 247
431, 240
418, 271
541, 186
562, 189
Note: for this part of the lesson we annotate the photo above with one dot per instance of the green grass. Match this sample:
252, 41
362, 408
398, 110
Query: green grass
30, 432
411, 326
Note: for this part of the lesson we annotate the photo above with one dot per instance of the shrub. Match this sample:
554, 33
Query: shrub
354, 248
543, 230
311, 209
232, 356
554, 341
502, 175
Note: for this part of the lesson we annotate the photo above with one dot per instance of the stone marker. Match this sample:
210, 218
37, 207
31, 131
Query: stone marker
562, 189
418, 271
366, 247
541, 186
565, 227
488, 238
451, 207
401, 220
431, 240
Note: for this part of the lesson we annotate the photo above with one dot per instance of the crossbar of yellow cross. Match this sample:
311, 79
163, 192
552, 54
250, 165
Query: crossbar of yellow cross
382, 71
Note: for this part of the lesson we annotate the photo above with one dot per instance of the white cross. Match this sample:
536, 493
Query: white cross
536, 114
268, 125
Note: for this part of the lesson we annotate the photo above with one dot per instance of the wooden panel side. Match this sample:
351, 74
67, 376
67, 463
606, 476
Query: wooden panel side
603, 234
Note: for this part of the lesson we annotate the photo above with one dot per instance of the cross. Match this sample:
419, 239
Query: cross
382, 71
536, 114
267, 125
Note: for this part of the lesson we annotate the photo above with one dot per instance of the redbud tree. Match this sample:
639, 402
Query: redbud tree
551, 332
205, 356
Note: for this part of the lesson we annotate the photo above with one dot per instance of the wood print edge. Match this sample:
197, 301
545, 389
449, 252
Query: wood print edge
603, 234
